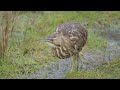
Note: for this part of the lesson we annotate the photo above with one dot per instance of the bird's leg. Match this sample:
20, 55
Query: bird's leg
75, 62
81, 62
85, 60
72, 64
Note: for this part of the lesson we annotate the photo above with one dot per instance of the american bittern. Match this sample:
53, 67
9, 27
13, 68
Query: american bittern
68, 41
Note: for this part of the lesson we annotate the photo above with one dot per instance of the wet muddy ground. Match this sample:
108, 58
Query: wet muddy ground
94, 58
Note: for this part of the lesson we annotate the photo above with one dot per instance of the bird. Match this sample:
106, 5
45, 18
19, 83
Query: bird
67, 42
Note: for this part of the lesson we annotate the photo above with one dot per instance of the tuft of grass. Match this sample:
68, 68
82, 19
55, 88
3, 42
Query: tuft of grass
96, 42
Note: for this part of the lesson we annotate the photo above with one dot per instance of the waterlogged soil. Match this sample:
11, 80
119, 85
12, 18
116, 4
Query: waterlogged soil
94, 59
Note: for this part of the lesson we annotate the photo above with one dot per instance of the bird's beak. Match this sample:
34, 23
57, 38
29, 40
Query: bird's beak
45, 39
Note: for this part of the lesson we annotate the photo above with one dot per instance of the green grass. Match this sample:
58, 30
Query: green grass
107, 71
96, 42
25, 55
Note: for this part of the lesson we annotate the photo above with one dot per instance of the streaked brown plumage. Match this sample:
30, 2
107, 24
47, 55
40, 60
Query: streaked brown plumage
68, 40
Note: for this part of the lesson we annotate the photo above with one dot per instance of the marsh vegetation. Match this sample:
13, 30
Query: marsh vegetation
22, 56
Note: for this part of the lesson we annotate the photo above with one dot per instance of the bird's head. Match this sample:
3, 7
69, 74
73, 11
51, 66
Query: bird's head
53, 41
49, 41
